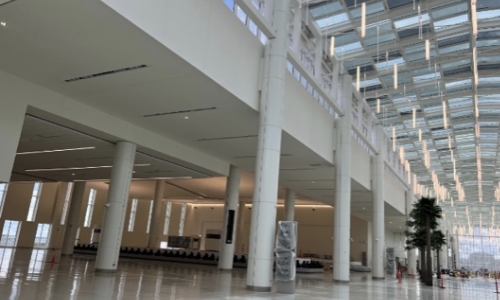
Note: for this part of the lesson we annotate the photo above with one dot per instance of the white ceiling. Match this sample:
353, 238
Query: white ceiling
37, 48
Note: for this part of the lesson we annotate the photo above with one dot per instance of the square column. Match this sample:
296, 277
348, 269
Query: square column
116, 208
378, 227
230, 217
342, 211
263, 226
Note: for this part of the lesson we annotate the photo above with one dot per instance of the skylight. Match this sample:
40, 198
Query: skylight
333, 20
389, 64
411, 21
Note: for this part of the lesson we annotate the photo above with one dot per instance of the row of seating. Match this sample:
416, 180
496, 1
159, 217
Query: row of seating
191, 255
165, 253
309, 265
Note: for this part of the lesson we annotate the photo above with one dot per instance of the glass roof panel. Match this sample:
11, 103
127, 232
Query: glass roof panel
325, 9
411, 21
450, 22
332, 20
488, 14
443, 12
371, 9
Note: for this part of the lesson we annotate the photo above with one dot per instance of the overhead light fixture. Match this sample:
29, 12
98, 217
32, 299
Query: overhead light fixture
378, 106
427, 50
3, 24
476, 105
414, 117
473, 16
445, 121
79, 168
56, 150
393, 139
474, 65
358, 75
363, 19
395, 76
332, 46
419, 135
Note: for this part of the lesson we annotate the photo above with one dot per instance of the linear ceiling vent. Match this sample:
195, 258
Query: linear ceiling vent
253, 156
228, 138
105, 73
180, 112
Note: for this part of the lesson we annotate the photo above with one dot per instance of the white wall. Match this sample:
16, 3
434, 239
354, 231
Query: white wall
17, 204
315, 228
305, 119
360, 165
394, 194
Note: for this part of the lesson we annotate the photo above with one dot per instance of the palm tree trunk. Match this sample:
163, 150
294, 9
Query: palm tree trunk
438, 272
429, 253
423, 273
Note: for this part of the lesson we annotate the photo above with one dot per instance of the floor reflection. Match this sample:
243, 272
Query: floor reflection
29, 274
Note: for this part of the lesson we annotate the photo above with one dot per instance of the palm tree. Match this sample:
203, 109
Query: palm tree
438, 240
425, 215
417, 240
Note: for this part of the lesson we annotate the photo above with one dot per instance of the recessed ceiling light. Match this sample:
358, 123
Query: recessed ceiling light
312, 181
3, 24
73, 174
363, 208
79, 168
56, 150
390, 222
186, 117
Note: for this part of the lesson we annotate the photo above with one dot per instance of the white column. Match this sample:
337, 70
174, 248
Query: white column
289, 205
342, 211
443, 259
241, 242
230, 218
154, 226
378, 207
456, 251
369, 244
12, 115
116, 207
412, 255
56, 227
263, 226
72, 222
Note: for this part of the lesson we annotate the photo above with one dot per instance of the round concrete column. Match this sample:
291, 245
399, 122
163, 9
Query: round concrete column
378, 207
116, 207
263, 225
75, 207
289, 205
342, 211
230, 218
154, 226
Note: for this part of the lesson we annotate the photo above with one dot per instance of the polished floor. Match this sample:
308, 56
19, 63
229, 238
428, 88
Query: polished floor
26, 274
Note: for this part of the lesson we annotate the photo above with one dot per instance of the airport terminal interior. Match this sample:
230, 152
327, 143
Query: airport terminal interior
249, 149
